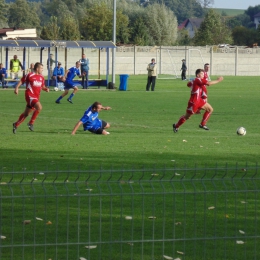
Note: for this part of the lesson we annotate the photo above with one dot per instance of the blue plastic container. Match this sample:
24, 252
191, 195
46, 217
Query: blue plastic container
123, 82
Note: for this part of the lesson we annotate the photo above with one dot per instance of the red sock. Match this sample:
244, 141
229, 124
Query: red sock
180, 122
20, 120
34, 116
205, 118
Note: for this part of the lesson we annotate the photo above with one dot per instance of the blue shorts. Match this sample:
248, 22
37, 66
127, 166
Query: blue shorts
69, 85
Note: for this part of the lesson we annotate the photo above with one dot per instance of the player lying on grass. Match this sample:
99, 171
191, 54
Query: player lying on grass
196, 102
91, 122
34, 84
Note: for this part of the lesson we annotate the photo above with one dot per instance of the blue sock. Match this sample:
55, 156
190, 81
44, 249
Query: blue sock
71, 96
59, 98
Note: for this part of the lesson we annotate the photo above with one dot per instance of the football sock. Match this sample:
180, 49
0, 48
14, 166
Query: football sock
71, 95
59, 98
180, 122
34, 116
205, 117
20, 120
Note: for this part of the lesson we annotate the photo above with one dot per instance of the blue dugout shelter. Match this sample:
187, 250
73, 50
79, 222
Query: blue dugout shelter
42, 44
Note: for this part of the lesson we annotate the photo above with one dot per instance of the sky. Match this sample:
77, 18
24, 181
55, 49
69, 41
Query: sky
235, 4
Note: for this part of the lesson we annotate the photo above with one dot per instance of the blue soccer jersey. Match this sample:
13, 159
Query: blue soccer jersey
72, 73
90, 120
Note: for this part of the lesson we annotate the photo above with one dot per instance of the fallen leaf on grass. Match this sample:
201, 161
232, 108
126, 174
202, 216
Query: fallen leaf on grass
179, 252
26, 222
89, 189
91, 247
39, 219
216, 142
128, 217
3, 183
152, 217
168, 257
82, 258
201, 146
48, 223
172, 160
185, 141
177, 174
211, 207
240, 242
178, 223
154, 174
130, 244
41, 173
227, 216
242, 232
3, 237
243, 169
243, 202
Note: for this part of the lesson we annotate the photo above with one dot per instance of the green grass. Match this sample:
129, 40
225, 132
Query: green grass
141, 128
229, 12
141, 136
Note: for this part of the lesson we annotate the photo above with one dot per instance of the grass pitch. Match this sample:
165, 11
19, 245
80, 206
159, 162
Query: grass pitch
141, 136
141, 128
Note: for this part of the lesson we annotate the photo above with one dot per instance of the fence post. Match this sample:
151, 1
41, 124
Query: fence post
236, 59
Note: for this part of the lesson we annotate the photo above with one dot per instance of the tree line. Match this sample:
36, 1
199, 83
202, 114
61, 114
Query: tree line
139, 22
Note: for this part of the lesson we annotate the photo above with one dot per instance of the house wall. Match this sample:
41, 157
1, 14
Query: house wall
133, 60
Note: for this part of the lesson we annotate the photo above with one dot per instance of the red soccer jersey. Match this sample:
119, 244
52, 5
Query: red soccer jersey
196, 89
34, 84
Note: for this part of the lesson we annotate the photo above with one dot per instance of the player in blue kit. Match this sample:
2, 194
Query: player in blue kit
91, 122
68, 83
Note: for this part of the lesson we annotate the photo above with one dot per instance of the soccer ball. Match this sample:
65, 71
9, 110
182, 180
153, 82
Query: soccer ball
56, 88
241, 130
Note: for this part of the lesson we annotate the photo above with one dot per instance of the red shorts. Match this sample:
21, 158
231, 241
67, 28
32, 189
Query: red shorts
31, 100
193, 107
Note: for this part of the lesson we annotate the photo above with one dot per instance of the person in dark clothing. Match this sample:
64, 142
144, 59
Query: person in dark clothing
183, 70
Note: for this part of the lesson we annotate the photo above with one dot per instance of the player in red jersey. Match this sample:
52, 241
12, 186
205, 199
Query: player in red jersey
34, 84
196, 102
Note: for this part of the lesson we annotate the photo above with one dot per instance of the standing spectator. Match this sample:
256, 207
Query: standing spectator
70, 74
91, 122
58, 73
50, 63
196, 102
2, 75
183, 70
34, 84
31, 69
84, 71
152, 73
14, 67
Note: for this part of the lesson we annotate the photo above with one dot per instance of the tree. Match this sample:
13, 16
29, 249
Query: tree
69, 29
22, 15
162, 24
212, 31
238, 20
98, 24
51, 31
207, 3
3, 12
139, 32
244, 36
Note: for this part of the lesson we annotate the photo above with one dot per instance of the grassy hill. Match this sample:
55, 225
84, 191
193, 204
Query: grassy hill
229, 12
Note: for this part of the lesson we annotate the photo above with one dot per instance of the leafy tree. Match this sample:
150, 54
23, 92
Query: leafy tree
51, 31
207, 3
238, 20
98, 24
69, 29
244, 36
162, 24
212, 31
139, 32
3, 12
183, 38
22, 15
